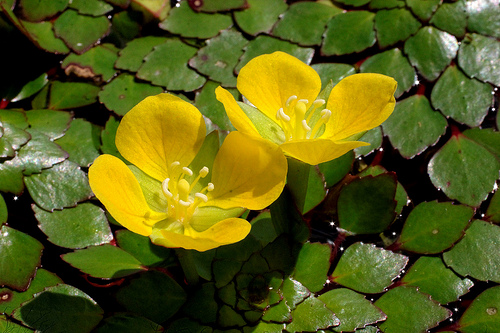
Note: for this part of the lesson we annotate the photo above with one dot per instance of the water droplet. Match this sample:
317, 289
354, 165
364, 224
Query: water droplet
435, 231
79, 44
491, 311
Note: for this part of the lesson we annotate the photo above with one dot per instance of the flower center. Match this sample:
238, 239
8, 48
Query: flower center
182, 202
294, 122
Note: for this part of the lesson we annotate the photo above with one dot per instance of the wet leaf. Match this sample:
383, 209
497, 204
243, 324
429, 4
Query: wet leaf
306, 185
11, 176
482, 315
69, 95
142, 249
312, 265
394, 64
483, 17
104, 261
3, 211
11, 300
465, 100
374, 138
217, 5
455, 170
91, 7
36, 10
311, 315
171, 72
61, 308
486, 137
423, 9
125, 26
368, 269
304, 22
20, 255
13, 138
127, 323
431, 51
210, 107
472, 256
380, 4
432, 277
493, 212
153, 295
108, 138
42, 34
414, 126
353, 309
394, 26
263, 44
408, 310
81, 142
367, 205
180, 21
333, 72
31, 88
132, 55
348, 33
75, 228
335, 170
432, 227
451, 17
51, 123
479, 57
7, 325
90, 31
63, 185
260, 16
97, 63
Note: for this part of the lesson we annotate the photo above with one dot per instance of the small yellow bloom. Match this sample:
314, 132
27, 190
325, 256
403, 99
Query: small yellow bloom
180, 191
289, 113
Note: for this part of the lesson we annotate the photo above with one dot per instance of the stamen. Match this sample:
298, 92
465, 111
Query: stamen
204, 172
283, 116
305, 101
175, 164
290, 100
210, 187
319, 102
164, 187
305, 126
187, 171
185, 203
201, 196
325, 115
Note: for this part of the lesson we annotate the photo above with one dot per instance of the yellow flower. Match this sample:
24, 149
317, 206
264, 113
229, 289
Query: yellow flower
180, 191
289, 113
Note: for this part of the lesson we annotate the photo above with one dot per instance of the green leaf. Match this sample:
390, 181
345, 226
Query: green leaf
180, 21
39, 153
217, 5
487, 137
14, 138
482, 315
42, 34
63, 185
260, 16
167, 66
432, 277
125, 26
423, 9
334, 73
408, 310
188, 325
394, 26
90, 31
312, 265
479, 57
3, 211
431, 51
348, 33
9, 326
11, 176
20, 255
306, 185
367, 205
69, 95
211, 108
263, 44
11, 300
353, 309
472, 256
31, 88
451, 17
153, 295
61, 308
202, 305
465, 100
142, 249
108, 138
355, 3
464, 170
493, 211
81, 142
127, 323
132, 55
335, 170
380, 4
49, 122
104, 261
311, 315
75, 228
304, 22
483, 17
374, 138
91, 7
220, 56
394, 64
368, 269
432, 227
97, 63
36, 10
414, 126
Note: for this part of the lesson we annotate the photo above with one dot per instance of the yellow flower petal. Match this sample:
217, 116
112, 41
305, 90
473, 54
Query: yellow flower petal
225, 232
269, 80
116, 187
248, 172
358, 103
158, 131
316, 151
236, 115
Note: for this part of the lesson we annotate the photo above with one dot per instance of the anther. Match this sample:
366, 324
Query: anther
283, 115
175, 164
305, 101
204, 172
290, 100
164, 186
325, 114
319, 102
185, 203
210, 187
201, 196
305, 126
187, 171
